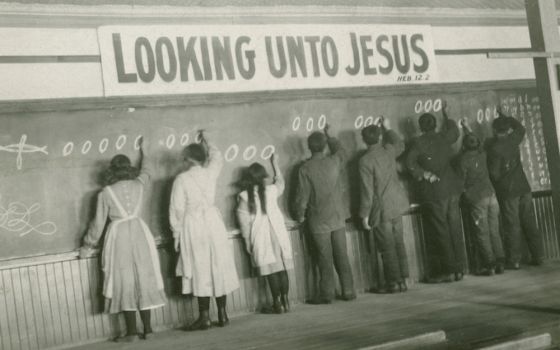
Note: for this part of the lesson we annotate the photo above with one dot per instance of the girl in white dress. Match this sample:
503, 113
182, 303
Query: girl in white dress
206, 264
132, 276
263, 228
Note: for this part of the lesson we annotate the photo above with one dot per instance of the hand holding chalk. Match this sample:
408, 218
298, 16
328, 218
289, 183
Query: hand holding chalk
326, 129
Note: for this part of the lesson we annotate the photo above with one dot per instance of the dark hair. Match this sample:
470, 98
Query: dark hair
317, 142
501, 125
471, 142
427, 122
195, 151
370, 134
254, 175
119, 169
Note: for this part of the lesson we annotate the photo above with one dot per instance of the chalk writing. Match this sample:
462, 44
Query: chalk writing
17, 218
21, 148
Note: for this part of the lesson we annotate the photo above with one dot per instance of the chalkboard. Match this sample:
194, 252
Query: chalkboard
51, 161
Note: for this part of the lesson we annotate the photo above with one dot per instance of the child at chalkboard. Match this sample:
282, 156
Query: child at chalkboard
132, 275
263, 228
482, 205
513, 191
206, 263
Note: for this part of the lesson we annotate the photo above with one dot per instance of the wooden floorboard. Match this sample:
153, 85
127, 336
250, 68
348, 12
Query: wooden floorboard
478, 310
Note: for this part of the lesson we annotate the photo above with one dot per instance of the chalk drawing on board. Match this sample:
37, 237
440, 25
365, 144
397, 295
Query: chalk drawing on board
231, 152
17, 218
21, 148
267, 152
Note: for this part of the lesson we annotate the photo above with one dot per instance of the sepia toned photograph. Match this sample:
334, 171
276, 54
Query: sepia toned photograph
280, 174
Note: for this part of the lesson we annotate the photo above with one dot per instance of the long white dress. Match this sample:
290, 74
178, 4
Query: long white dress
130, 261
206, 262
266, 238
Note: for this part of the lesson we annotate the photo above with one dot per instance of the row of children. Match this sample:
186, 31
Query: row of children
132, 275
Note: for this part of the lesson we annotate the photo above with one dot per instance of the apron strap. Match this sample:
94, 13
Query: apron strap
123, 212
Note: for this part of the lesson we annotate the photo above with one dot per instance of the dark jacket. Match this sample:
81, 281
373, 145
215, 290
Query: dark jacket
474, 170
504, 163
433, 152
319, 196
382, 196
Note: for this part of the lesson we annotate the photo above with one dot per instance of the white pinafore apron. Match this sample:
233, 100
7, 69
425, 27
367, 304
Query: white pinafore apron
109, 248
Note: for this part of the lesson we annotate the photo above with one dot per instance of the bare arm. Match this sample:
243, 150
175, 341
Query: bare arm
95, 229
449, 127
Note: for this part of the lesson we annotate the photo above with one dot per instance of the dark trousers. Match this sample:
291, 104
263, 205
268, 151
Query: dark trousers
446, 234
390, 243
485, 217
331, 248
518, 220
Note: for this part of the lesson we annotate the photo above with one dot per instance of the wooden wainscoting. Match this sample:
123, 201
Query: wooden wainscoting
56, 301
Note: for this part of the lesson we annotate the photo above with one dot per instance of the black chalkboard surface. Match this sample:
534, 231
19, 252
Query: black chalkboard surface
51, 160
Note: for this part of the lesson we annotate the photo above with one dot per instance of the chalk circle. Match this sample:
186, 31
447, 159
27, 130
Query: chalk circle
250, 152
137, 142
68, 149
368, 121
488, 114
231, 152
296, 123
496, 114
480, 116
121, 141
437, 105
103, 144
376, 121
184, 139
86, 147
267, 152
359, 122
418, 107
309, 125
322, 122
170, 141
428, 105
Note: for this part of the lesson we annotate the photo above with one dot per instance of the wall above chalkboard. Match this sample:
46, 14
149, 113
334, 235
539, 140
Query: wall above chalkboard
51, 159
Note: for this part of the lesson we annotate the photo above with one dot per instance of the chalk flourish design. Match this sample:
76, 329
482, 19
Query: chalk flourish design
22, 147
17, 218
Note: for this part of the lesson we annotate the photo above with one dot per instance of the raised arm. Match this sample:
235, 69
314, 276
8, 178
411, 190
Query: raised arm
390, 137
449, 127
517, 130
96, 226
334, 145
278, 178
145, 172
215, 159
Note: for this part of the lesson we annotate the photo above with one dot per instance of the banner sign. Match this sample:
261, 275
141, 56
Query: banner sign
190, 59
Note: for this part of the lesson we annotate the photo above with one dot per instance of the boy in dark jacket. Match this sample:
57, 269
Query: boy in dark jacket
513, 191
483, 209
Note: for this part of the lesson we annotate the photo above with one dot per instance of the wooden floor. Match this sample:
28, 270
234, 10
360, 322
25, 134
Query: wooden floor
477, 311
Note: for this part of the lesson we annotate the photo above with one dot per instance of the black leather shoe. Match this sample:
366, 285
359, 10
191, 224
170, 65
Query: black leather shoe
441, 279
223, 319
202, 324
285, 301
